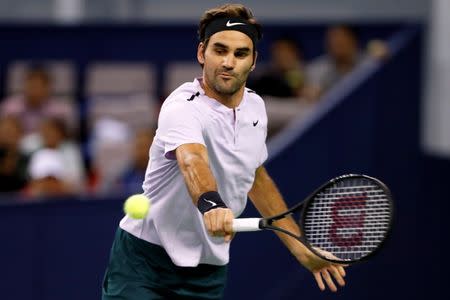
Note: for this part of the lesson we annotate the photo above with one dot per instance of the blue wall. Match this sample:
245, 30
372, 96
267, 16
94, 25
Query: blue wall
59, 249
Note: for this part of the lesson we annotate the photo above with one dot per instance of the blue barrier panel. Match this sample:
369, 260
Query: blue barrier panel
56, 250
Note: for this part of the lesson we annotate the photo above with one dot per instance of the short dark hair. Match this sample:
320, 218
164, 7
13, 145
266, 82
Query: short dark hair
224, 11
352, 30
291, 41
38, 71
227, 11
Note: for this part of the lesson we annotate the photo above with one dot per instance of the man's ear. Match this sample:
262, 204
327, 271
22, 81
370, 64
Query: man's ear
254, 61
201, 53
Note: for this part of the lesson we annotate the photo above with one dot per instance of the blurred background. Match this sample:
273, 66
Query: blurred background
351, 86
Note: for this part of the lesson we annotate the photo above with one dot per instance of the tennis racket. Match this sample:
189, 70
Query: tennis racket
346, 220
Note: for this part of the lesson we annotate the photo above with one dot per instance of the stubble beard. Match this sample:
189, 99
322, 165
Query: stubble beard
227, 88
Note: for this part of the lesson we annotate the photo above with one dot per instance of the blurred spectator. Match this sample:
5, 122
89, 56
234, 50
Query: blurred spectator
132, 178
36, 102
13, 163
55, 136
284, 77
282, 84
48, 175
343, 54
110, 154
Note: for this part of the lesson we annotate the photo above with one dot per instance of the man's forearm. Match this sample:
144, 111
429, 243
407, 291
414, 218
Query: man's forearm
196, 172
269, 201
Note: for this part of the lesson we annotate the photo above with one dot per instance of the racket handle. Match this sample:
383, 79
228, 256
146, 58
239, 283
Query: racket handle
246, 224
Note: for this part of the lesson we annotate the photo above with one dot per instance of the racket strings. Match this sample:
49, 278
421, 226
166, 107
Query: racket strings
348, 219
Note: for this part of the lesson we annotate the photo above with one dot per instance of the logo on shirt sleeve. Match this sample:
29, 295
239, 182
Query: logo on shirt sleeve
193, 96
255, 123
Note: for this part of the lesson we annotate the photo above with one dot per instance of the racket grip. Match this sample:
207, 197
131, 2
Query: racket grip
246, 224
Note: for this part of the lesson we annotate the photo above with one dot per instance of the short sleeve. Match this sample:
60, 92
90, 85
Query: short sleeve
264, 155
179, 123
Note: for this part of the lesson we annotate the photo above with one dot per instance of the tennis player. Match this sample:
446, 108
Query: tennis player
206, 158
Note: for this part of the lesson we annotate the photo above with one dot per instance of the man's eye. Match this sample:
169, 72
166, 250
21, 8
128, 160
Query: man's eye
241, 54
220, 51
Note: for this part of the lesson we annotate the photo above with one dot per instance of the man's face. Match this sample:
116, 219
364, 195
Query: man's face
37, 90
51, 135
227, 61
10, 133
341, 44
284, 56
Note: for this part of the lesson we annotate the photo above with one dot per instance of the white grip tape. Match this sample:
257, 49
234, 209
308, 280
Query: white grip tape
246, 224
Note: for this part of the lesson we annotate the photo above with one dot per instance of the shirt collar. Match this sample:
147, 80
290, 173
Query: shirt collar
213, 102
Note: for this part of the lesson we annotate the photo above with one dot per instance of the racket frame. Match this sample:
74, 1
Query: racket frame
266, 223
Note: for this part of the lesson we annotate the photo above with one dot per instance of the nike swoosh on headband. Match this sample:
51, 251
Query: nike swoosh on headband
229, 24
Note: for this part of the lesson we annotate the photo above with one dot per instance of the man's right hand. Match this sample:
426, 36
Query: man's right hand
219, 222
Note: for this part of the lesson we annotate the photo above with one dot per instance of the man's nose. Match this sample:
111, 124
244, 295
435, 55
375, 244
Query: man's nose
229, 62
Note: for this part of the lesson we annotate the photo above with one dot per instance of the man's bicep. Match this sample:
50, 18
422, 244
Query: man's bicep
187, 152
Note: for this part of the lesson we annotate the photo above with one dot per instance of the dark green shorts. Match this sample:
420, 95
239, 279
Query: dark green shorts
139, 270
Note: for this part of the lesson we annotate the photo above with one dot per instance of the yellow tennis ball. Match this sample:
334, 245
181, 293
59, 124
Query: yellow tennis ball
137, 206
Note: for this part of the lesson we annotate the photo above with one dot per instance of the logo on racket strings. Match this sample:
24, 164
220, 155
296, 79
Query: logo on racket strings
348, 215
